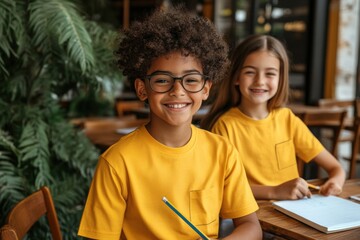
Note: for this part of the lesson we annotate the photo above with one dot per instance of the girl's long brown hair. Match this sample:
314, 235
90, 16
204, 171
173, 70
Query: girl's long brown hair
228, 94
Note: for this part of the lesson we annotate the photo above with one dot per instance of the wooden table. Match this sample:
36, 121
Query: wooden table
279, 224
103, 132
299, 109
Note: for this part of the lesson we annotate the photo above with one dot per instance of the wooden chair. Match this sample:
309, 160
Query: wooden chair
27, 212
7, 233
352, 130
347, 133
332, 119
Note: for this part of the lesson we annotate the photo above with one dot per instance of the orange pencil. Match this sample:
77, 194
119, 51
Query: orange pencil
313, 186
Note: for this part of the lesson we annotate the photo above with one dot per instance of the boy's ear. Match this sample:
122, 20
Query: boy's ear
206, 90
140, 89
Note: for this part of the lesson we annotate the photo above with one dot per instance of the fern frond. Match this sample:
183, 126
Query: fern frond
74, 148
62, 20
6, 143
7, 10
11, 28
69, 200
12, 185
3, 71
66, 191
104, 39
34, 150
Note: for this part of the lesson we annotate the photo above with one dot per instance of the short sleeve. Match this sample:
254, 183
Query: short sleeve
105, 206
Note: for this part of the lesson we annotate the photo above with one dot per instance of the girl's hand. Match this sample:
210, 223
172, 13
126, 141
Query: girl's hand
330, 188
335, 182
294, 189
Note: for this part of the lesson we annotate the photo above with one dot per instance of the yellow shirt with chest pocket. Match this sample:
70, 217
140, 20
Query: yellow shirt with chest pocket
204, 179
269, 146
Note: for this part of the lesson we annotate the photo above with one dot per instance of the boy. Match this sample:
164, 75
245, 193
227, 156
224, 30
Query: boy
173, 58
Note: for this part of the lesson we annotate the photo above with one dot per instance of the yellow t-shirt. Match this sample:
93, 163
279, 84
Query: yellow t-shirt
269, 146
204, 179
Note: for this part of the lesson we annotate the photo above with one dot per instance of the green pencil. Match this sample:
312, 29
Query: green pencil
202, 235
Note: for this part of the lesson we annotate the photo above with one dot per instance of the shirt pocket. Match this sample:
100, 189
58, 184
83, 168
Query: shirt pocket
203, 207
285, 154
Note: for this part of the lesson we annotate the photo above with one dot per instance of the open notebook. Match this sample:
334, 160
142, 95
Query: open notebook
327, 214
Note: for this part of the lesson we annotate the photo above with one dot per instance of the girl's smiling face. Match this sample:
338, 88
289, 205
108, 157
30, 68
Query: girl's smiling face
176, 106
259, 78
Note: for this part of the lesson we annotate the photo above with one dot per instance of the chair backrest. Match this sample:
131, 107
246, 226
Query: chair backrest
28, 211
329, 119
331, 103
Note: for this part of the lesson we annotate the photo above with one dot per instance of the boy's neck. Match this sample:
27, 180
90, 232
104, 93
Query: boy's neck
171, 136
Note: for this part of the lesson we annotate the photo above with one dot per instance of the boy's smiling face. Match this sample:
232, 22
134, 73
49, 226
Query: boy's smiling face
177, 106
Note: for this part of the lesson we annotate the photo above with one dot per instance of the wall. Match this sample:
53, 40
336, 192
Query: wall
347, 53
347, 60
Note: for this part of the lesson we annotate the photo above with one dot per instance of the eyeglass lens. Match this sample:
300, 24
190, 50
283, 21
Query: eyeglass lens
161, 83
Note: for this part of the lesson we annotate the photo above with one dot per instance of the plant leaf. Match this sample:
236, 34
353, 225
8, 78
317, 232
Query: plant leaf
60, 20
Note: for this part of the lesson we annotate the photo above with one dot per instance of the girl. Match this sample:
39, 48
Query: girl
248, 111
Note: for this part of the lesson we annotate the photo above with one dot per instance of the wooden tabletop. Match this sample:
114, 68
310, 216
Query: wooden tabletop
298, 109
103, 132
279, 224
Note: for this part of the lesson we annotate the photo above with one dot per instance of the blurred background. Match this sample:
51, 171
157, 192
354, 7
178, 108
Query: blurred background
322, 37
62, 97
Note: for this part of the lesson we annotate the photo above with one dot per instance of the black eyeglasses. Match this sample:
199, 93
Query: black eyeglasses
162, 82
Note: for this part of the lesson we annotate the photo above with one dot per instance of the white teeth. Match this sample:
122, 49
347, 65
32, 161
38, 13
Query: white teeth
176, 105
258, 90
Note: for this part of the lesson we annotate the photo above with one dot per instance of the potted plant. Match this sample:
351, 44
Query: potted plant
48, 50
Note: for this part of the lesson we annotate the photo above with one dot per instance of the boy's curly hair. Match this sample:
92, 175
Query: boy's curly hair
163, 32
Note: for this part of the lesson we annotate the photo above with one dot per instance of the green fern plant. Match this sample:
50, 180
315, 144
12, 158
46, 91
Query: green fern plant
48, 49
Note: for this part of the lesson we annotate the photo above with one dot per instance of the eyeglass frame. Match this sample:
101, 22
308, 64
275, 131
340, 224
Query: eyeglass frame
181, 79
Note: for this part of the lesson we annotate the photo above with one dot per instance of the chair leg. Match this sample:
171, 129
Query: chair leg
354, 153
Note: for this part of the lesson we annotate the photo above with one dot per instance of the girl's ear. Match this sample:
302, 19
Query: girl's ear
206, 90
140, 89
